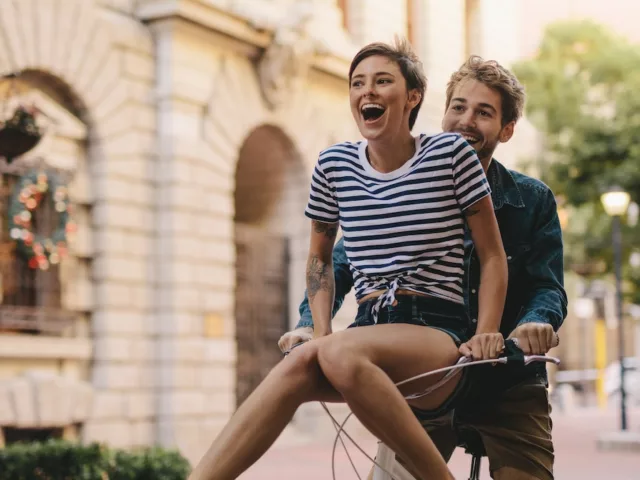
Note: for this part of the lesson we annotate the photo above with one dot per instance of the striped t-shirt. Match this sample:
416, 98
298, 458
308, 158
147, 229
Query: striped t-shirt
403, 229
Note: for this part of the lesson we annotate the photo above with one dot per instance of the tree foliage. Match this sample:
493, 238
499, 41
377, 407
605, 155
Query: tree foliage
583, 94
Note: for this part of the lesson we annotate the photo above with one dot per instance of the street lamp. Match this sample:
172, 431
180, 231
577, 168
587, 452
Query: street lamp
615, 203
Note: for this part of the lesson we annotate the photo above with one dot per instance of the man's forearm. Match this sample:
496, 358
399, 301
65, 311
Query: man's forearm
491, 295
548, 305
548, 300
320, 291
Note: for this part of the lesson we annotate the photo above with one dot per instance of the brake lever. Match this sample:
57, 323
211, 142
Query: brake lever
287, 352
540, 358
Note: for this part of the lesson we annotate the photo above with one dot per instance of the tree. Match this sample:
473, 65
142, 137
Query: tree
583, 94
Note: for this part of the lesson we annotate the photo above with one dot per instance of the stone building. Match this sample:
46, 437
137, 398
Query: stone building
187, 131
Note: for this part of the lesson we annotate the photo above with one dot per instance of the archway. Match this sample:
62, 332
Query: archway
270, 195
47, 302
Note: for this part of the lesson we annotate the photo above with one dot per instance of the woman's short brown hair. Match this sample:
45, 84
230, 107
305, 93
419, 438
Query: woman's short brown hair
493, 75
408, 62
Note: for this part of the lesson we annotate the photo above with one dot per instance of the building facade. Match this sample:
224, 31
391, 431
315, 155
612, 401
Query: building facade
186, 132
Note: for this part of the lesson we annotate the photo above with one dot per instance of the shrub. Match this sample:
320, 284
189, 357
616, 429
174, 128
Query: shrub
61, 460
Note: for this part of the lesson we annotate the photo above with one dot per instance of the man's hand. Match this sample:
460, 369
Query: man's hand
298, 335
535, 338
483, 346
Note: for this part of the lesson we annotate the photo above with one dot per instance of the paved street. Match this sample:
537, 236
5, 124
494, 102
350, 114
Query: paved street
575, 434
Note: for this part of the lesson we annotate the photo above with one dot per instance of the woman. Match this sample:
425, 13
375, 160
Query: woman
402, 203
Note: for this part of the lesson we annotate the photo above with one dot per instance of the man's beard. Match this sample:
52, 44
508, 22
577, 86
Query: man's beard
486, 151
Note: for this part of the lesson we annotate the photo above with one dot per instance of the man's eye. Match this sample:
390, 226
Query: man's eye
458, 108
484, 113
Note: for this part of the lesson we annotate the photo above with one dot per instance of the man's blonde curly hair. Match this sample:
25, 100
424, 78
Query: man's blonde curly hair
493, 75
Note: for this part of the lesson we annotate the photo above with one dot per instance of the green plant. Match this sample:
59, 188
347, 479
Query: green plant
61, 460
583, 95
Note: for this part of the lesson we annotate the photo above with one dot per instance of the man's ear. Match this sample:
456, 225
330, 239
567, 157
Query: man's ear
507, 132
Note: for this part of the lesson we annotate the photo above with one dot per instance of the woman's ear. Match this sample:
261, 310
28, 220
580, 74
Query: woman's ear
414, 98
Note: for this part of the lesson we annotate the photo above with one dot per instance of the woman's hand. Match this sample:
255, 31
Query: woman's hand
483, 346
299, 335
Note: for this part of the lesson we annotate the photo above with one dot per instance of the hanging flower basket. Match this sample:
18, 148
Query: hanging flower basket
19, 134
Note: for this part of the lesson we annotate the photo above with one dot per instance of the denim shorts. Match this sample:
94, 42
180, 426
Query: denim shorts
444, 315
434, 312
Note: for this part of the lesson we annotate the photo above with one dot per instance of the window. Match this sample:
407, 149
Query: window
30, 298
343, 5
411, 22
30, 435
471, 27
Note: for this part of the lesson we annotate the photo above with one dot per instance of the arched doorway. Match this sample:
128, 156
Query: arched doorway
271, 191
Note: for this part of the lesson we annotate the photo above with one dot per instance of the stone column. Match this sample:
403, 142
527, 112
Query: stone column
195, 348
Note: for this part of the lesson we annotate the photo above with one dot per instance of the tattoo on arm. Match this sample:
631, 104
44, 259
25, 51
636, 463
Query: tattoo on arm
330, 230
318, 276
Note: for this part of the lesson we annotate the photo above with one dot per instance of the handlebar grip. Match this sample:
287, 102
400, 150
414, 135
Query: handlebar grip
513, 353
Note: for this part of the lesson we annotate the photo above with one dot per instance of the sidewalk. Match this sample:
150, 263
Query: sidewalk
577, 458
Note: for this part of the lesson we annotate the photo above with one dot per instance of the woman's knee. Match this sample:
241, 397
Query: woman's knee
341, 362
300, 366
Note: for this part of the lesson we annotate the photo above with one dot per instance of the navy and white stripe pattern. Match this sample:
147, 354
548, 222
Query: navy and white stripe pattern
404, 229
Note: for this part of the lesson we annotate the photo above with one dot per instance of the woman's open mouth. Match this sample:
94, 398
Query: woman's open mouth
371, 112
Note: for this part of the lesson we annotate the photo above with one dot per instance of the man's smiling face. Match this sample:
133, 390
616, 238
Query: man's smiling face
475, 112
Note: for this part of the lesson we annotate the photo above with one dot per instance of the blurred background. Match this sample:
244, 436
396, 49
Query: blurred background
155, 158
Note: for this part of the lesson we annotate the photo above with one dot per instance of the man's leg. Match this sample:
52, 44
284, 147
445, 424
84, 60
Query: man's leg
516, 431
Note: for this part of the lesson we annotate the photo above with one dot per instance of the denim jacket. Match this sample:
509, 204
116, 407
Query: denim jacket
527, 216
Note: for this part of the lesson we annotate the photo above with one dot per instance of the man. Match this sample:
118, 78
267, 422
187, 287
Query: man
508, 406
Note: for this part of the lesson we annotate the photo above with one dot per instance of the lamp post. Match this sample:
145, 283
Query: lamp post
615, 203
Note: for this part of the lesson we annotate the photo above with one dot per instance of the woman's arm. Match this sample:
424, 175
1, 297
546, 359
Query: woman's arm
485, 233
320, 281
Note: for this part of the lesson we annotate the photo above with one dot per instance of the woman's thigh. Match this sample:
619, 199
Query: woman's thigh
402, 351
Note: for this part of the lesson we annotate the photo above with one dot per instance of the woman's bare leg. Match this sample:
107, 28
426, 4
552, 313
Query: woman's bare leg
264, 415
363, 364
